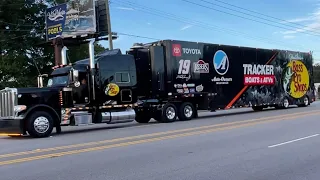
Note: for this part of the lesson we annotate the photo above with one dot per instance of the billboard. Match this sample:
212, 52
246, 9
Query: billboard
55, 21
79, 18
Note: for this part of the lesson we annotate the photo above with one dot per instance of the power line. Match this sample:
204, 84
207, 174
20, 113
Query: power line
137, 36
214, 9
255, 12
196, 23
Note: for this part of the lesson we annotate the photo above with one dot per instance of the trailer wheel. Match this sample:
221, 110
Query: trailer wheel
283, 105
186, 111
40, 124
142, 117
168, 113
305, 102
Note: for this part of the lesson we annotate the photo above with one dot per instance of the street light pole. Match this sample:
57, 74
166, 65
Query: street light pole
109, 25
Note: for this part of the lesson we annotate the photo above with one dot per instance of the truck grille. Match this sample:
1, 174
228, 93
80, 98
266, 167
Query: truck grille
8, 100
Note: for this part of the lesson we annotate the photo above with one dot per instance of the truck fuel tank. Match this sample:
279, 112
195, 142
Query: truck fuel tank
115, 117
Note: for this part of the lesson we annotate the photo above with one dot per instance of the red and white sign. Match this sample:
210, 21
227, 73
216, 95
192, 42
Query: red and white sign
257, 74
201, 67
176, 50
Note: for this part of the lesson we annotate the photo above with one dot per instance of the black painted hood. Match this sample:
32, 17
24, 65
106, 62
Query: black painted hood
33, 96
31, 90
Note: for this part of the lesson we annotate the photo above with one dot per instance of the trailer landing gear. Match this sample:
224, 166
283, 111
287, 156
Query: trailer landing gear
257, 108
142, 117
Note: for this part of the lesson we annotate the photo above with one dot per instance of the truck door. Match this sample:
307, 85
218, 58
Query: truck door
158, 70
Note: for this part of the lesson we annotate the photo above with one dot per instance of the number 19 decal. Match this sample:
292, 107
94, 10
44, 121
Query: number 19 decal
184, 66
184, 69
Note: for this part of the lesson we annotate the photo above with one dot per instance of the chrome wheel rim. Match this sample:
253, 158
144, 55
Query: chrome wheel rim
41, 124
306, 101
188, 111
285, 103
170, 113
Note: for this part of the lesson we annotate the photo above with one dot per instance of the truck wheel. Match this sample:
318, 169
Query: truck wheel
168, 113
186, 111
142, 117
40, 124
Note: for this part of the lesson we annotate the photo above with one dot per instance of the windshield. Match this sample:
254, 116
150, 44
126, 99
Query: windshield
58, 81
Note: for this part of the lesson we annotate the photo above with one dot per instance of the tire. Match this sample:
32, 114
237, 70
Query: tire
168, 113
285, 103
186, 111
44, 121
305, 103
142, 117
257, 108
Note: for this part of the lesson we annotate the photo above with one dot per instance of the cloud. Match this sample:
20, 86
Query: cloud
312, 23
125, 8
288, 37
185, 27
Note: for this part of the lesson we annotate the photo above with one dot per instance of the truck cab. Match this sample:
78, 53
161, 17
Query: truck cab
100, 89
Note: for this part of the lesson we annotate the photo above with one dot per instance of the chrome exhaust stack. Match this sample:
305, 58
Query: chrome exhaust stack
92, 66
64, 55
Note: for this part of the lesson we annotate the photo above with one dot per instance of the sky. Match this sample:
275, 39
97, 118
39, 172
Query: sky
286, 24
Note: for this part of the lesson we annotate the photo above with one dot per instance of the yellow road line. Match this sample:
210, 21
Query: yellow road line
146, 135
20, 160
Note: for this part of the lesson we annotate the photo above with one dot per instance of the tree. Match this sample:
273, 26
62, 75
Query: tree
316, 73
22, 37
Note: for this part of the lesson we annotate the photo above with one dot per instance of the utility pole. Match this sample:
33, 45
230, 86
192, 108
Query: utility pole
109, 25
57, 43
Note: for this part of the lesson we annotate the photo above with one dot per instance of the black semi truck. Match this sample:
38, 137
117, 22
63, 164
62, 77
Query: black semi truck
165, 80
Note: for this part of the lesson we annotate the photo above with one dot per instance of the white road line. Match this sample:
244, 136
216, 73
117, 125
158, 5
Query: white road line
293, 141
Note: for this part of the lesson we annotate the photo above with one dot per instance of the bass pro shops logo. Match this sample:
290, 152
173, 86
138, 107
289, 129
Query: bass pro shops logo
296, 79
221, 65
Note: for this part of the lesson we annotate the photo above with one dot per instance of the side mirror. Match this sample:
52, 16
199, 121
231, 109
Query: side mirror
75, 74
40, 80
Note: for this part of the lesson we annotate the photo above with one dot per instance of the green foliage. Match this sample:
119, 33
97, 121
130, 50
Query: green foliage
316, 73
24, 52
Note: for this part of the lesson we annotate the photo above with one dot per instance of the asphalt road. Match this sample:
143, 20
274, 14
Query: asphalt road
235, 144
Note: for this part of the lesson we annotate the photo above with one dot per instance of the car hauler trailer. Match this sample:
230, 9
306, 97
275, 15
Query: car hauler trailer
177, 78
164, 80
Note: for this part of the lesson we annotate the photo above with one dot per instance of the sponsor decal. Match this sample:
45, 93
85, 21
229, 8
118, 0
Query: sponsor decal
257, 74
176, 50
77, 84
186, 90
177, 85
112, 89
296, 79
295, 56
184, 69
191, 51
192, 90
201, 67
221, 66
191, 85
180, 91
199, 88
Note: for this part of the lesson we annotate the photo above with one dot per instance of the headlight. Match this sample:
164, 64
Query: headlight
19, 108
